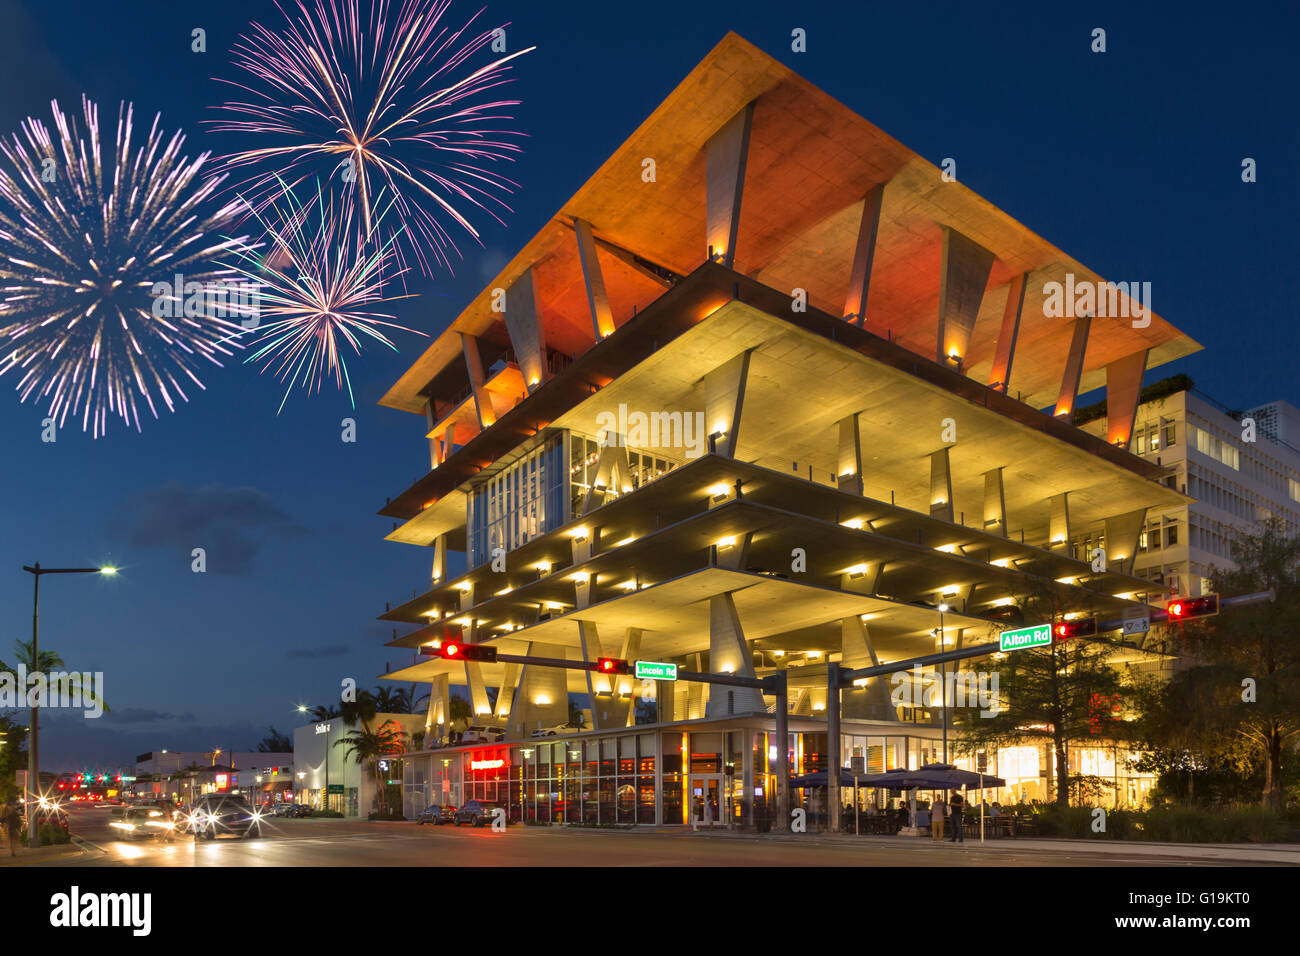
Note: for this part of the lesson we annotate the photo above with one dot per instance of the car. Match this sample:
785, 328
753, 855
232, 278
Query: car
482, 735
295, 811
143, 822
436, 814
477, 813
217, 814
554, 731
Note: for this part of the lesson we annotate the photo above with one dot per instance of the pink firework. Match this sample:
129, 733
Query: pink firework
387, 99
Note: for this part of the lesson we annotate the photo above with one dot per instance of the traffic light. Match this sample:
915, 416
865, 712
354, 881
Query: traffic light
1078, 627
612, 665
1183, 609
460, 651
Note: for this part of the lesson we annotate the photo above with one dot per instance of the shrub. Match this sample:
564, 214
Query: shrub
1178, 824
327, 814
50, 836
390, 815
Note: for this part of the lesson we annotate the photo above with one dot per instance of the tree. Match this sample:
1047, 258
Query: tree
51, 661
372, 746
325, 712
360, 711
458, 709
1241, 687
274, 743
13, 755
1064, 694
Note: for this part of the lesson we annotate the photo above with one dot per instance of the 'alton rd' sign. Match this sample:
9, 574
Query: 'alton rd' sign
1038, 635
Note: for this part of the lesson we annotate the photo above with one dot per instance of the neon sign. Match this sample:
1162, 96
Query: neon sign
486, 764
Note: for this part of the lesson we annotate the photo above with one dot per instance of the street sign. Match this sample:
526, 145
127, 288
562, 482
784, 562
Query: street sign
1139, 623
335, 788
1020, 638
655, 670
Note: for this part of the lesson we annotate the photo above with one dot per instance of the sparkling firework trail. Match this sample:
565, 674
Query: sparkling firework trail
84, 245
385, 98
318, 279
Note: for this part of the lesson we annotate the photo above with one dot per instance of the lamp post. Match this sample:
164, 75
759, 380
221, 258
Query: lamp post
32, 790
943, 684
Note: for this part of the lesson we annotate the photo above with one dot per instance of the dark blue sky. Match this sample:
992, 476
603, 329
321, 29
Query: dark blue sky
1129, 161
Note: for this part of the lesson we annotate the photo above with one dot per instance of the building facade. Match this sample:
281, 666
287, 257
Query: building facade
766, 394
326, 772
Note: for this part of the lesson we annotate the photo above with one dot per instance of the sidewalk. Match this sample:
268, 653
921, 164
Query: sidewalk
42, 854
1251, 852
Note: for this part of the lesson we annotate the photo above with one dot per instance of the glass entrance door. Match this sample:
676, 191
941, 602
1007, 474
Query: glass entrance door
707, 800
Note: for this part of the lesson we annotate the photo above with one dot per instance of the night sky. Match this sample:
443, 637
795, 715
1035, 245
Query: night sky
1130, 161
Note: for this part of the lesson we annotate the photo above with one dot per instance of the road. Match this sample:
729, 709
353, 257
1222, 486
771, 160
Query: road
344, 843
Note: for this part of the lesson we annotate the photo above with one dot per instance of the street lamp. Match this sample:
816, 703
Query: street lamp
32, 789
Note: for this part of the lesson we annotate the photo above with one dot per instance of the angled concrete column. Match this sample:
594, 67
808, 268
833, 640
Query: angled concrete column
1059, 523
627, 686
869, 702
527, 333
724, 400
602, 319
439, 572
613, 472
995, 503
609, 709
478, 698
542, 698
467, 596
435, 450
864, 251
963, 274
1073, 369
725, 156
728, 653
1009, 334
1123, 392
478, 381
1122, 532
734, 556
940, 485
438, 719
850, 455
506, 692
864, 580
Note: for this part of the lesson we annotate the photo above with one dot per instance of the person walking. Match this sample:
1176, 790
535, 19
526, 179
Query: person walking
937, 812
12, 822
957, 805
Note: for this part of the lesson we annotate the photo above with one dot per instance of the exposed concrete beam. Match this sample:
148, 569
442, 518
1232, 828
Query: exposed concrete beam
613, 471
602, 319
849, 474
725, 155
870, 702
963, 275
527, 333
478, 697
1123, 392
438, 718
1073, 369
1122, 532
724, 400
995, 503
439, 572
506, 692
1059, 523
478, 381
1009, 334
940, 485
864, 251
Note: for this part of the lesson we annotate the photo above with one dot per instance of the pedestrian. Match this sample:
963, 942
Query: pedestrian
937, 812
13, 824
957, 804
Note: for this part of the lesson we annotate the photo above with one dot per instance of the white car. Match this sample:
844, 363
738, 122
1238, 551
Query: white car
554, 731
482, 735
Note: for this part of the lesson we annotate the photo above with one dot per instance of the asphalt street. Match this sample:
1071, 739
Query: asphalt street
344, 843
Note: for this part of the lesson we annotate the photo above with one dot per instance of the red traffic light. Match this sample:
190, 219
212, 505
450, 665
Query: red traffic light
1182, 609
612, 665
1078, 627
460, 651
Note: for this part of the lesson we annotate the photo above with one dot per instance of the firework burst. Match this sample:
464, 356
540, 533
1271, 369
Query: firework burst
384, 98
318, 278
85, 240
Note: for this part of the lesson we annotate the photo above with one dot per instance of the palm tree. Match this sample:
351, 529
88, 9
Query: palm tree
325, 712
360, 711
391, 700
366, 745
51, 661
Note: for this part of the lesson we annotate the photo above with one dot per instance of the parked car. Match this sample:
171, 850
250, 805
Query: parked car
554, 731
217, 814
143, 822
482, 735
436, 814
477, 813
296, 811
